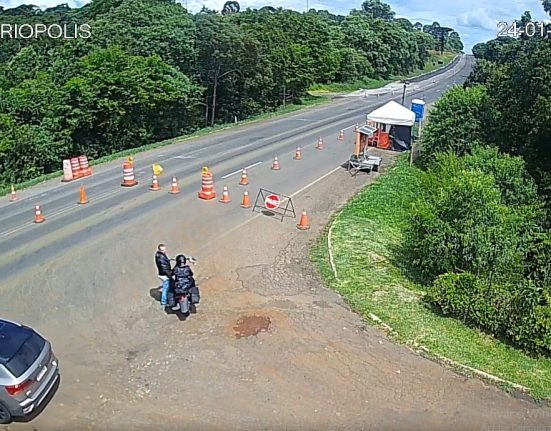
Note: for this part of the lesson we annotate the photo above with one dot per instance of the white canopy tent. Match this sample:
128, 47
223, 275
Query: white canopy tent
394, 114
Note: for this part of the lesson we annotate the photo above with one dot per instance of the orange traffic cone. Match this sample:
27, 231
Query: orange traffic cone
303, 223
83, 199
298, 154
246, 201
155, 184
38, 215
341, 135
319, 145
275, 164
244, 179
225, 196
13, 195
174, 189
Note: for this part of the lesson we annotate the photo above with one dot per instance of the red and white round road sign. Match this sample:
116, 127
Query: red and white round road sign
271, 202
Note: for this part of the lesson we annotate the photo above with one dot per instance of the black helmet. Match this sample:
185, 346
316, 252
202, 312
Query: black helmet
181, 260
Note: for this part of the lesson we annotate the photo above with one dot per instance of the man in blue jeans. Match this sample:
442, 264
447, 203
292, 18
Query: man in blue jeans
164, 271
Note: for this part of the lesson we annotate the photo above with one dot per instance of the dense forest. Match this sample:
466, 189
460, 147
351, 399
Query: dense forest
152, 71
479, 234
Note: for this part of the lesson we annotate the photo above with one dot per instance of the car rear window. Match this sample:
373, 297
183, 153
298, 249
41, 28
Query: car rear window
26, 355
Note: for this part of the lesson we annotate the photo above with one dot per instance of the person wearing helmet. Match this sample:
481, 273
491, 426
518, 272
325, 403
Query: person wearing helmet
183, 276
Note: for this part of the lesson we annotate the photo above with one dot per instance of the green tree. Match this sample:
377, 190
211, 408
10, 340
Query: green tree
230, 7
147, 28
457, 123
221, 47
404, 23
27, 151
377, 9
460, 224
122, 101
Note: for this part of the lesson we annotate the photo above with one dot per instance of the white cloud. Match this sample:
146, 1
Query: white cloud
477, 18
43, 4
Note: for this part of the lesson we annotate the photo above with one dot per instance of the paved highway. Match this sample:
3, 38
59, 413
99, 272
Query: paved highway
24, 244
86, 280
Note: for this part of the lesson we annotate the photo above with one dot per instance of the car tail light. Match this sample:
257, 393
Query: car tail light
21, 387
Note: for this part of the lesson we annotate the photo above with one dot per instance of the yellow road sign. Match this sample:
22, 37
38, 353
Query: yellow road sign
157, 169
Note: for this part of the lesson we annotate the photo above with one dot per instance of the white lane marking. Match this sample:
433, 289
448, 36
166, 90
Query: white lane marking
239, 226
62, 210
240, 170
299, 119
315, 181
9, 232
185, 157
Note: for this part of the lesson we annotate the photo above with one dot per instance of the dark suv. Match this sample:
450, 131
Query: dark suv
28, 370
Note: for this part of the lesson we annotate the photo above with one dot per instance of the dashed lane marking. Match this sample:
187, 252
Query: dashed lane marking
240, 170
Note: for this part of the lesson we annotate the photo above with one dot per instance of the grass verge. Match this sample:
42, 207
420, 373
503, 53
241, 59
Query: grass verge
436, 61
362, 237
306, 102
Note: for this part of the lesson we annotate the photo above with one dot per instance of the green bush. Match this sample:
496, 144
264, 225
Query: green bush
475, 236
530, 324
457, 123
471, 299
520, 312
516, 186
459, 224
27, 151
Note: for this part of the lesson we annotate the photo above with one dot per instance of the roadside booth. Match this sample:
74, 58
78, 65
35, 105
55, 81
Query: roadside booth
392, 124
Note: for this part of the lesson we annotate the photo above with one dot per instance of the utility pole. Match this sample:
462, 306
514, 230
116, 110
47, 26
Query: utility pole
404, 92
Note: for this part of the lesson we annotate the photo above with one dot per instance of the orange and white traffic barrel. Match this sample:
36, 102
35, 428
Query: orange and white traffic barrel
85, 169
207, 185
75, 168
128, 175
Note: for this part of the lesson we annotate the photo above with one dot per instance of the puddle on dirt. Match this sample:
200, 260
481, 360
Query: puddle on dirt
251, 325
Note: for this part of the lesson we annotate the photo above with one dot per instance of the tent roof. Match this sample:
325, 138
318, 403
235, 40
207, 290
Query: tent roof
392, 113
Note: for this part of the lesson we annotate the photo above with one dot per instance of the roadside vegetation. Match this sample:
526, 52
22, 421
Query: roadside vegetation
366, 242
302, 103
152, 71
454, 252
435, 61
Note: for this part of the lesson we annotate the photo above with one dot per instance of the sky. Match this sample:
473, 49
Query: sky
475, 20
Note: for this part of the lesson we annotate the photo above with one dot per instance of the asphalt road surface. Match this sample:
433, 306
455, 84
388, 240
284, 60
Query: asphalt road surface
24, 243
85, 278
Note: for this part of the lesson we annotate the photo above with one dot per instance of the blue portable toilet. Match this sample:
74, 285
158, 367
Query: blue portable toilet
418, 107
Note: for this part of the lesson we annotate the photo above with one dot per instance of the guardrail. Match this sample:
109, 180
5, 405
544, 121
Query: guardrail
445, 68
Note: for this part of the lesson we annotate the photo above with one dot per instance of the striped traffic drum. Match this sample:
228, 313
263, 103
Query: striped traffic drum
128, 175
207, 185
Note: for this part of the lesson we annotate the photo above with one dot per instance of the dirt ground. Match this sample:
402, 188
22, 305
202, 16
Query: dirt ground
269, 348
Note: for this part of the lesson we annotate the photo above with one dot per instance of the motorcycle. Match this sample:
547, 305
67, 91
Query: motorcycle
185, 299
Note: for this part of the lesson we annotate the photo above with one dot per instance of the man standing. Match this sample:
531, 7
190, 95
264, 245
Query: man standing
164, 271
